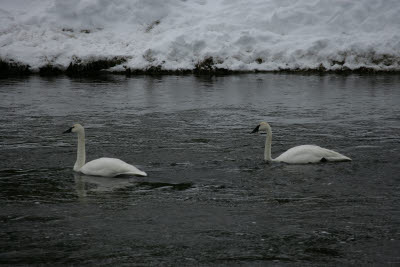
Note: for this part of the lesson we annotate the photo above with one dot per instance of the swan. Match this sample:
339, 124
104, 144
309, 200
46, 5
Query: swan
106, 167
299, 154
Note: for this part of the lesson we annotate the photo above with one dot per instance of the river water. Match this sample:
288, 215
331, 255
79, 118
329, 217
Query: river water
209, 198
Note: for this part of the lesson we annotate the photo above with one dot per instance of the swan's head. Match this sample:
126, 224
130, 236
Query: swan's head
76, 128
263, 126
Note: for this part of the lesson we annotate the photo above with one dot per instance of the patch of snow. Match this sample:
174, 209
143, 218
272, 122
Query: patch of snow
179, 34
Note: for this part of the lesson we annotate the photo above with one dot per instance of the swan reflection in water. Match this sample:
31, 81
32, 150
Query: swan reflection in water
86, 183
94, 184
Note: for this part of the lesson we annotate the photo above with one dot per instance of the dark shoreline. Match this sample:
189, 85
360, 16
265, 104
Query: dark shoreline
206, 67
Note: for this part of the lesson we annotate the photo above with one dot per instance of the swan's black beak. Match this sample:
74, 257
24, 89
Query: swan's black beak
256, 129
68, 131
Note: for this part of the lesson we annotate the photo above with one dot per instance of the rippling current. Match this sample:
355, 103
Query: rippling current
209, 198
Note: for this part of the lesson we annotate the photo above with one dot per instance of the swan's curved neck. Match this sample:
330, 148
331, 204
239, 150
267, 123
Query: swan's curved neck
81, 153
268, 140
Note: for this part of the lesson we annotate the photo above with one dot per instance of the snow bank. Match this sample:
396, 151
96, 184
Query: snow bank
237, 35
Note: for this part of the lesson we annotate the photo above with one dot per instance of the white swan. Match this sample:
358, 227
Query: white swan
107, 167
300, 154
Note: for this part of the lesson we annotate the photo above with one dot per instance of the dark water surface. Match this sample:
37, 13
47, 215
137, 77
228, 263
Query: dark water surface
209, 198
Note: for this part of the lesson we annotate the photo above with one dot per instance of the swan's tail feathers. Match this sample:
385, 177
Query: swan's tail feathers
346, 159
330, 155
139, 173
135, 173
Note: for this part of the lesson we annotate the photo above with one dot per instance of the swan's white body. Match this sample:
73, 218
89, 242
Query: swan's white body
106, 167
300, 154
310, 154
110, 167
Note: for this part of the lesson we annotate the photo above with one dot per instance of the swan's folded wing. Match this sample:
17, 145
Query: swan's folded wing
110, 167
310, 154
